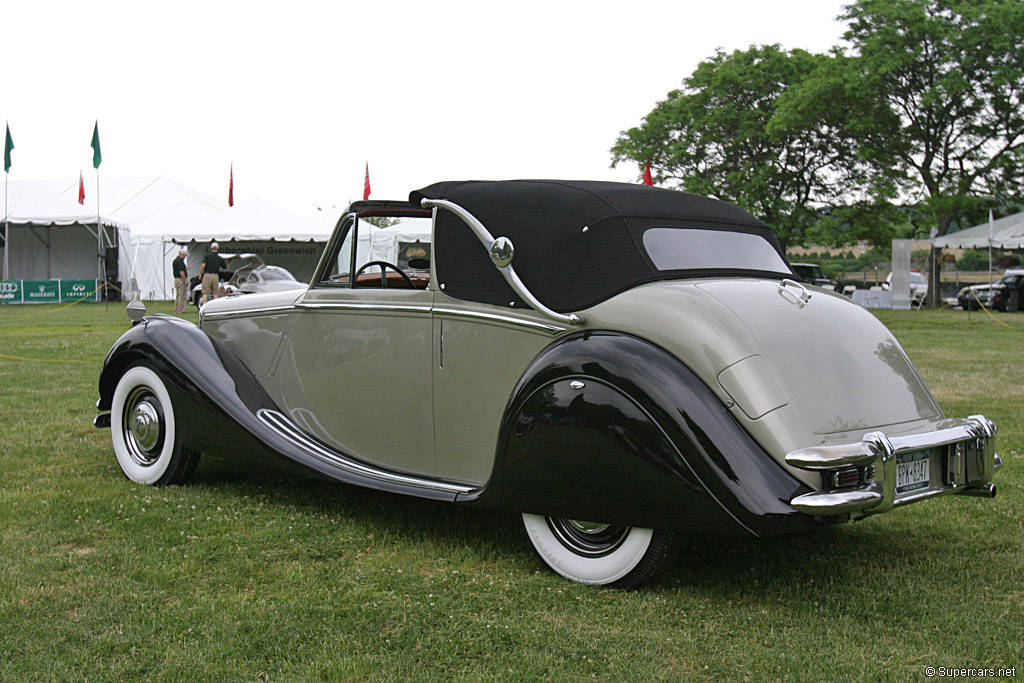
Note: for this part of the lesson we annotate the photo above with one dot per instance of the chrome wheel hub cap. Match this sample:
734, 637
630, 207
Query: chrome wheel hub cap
590, 539
143, 427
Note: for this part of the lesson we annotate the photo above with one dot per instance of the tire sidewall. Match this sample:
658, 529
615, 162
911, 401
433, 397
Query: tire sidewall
592, 570
135, 377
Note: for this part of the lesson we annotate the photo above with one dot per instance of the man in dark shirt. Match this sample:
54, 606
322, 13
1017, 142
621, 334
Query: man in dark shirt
180, 272
209, 271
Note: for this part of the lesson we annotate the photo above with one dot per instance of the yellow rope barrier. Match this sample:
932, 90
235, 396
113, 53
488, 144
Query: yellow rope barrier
985, 308
78, 301
940, 308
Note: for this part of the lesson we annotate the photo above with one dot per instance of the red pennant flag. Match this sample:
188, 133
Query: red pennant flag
647, 174
366, 183
231, 186
81, 189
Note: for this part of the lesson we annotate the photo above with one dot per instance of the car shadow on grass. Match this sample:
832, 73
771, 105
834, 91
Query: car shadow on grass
727, 566
492, 532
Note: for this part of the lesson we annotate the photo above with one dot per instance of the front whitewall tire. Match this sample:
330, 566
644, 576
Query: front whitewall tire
144, 431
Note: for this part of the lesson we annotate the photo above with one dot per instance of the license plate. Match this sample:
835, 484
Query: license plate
912, 470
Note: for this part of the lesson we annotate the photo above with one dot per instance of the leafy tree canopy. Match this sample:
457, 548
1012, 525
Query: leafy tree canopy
923, 107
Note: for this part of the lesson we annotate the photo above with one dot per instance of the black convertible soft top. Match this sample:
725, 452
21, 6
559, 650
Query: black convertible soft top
577, 243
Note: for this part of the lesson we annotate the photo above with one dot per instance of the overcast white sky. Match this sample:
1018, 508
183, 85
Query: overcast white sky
300, 95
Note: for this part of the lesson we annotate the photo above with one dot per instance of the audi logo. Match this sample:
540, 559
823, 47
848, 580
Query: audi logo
8, 287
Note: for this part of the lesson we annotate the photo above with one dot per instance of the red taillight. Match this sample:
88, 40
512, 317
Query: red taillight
841, 478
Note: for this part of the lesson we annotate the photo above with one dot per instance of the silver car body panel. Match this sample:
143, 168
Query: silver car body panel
794, 374
440, 368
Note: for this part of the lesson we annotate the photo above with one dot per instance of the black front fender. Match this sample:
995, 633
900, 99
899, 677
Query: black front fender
607, 427
223, 410
215, 396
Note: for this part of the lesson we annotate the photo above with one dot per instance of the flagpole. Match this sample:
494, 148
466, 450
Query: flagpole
97, 159
8, 148
7, 225
99, 240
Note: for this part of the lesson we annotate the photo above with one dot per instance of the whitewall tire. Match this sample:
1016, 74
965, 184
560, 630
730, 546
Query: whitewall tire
602, 554
144, 432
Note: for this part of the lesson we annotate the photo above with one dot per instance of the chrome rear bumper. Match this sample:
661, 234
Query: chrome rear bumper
962, 461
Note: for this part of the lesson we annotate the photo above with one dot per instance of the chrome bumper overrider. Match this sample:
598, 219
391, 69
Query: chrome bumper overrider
963, 460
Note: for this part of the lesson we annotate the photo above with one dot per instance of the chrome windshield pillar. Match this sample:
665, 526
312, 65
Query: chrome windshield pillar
501, 251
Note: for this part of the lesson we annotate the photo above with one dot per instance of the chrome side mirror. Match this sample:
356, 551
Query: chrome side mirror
502, 252
136, 310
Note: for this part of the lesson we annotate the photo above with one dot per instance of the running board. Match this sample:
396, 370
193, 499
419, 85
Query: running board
283, 426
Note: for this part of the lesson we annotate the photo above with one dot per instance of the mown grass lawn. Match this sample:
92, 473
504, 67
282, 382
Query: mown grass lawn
247, 575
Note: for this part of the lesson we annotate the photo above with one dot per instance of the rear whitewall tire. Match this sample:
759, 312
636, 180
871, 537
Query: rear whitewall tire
144, 431
623, 557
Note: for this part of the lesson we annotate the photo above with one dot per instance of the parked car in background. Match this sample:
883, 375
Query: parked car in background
247, 274
997, 296
918, 287
813, 274
622, 365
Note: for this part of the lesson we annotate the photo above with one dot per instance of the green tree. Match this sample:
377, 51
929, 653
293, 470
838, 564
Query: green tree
951, 74
720, 136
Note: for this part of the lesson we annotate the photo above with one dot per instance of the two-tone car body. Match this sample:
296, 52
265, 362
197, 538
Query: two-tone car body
621, 364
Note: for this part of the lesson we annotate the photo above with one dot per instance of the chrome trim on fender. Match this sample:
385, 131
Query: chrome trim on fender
501, 250
281, 424
493, 317
391, 308
965, 465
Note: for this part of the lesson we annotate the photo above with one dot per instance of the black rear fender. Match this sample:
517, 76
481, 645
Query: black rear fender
607, 427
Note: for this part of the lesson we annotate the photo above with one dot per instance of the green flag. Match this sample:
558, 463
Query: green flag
7, 150
97, 158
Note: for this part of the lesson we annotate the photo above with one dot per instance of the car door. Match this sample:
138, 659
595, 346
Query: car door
356, 371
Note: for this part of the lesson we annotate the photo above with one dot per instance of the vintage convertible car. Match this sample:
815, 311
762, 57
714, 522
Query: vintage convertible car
621, 364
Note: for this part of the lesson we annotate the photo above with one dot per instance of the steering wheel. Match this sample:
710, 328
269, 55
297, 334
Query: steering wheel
383, 265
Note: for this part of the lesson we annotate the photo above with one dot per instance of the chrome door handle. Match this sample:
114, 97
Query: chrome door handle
802, 298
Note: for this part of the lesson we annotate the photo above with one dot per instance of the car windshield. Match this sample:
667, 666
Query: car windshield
711, 249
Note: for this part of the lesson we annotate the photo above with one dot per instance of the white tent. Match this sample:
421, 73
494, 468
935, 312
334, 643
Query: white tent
393, 243
153, 208
1007, 233
54, 238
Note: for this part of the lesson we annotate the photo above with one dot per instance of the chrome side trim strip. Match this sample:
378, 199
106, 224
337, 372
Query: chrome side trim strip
269, 310
356, 306
392, 308
493, 317
503, 263
281, 424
